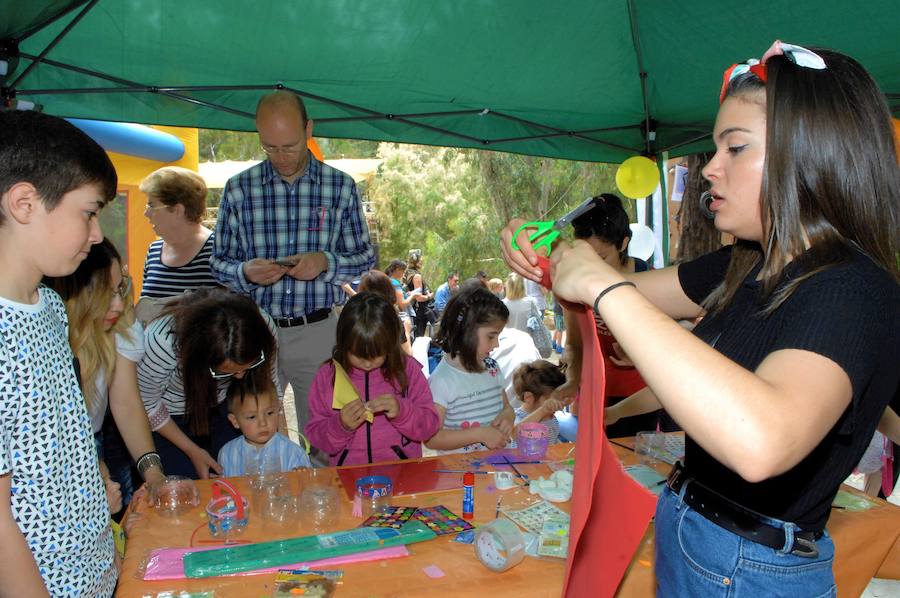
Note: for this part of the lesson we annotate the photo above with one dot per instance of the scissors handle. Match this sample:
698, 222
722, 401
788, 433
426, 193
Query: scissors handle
545, 231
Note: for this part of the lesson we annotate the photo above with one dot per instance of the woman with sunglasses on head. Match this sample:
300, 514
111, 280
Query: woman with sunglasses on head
194, 349
782, 383
108, 343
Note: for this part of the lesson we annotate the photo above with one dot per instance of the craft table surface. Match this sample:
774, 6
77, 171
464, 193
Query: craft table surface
867, 545
463, 573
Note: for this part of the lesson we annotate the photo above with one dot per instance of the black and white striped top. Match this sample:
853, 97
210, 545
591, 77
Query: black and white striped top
162, 281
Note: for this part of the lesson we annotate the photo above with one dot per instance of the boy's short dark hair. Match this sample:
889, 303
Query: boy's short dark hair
53, 155
239, 390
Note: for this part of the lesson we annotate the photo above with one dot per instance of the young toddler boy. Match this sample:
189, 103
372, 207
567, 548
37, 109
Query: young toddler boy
254, 411
54, 518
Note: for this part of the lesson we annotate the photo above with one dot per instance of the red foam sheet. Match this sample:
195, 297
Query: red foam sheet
610, 511
407, 477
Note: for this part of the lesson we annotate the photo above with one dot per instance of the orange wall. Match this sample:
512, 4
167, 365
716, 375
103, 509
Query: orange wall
131, 171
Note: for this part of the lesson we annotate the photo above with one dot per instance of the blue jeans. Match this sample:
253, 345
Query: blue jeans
695, 557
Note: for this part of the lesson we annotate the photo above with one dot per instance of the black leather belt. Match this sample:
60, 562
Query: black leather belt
737, 519
310, 318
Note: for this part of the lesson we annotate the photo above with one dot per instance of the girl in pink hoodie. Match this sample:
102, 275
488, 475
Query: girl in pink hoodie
394, 413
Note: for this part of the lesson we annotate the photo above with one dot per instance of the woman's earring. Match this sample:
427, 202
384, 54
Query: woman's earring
706, 199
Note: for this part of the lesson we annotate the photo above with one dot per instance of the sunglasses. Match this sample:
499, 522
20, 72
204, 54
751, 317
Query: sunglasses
798, 55
225, 375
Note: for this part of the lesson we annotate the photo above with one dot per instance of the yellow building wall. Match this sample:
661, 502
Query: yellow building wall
131, 171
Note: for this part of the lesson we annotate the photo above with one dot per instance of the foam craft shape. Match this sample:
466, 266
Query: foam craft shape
606, 502
248, 557
637, 177
642, 244
344, 391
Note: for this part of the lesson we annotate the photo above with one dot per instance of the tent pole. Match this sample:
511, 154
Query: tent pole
661, 166
53, 43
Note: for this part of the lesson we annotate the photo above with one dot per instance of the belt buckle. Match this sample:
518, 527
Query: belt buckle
674, 477
810, 550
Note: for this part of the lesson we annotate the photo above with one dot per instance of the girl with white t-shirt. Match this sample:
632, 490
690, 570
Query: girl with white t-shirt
467, 385
108, 343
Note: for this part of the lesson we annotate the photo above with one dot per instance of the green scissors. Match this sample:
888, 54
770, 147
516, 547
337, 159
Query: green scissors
548, 230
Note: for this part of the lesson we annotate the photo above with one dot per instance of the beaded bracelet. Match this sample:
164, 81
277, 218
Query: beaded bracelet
147, 461
624, 283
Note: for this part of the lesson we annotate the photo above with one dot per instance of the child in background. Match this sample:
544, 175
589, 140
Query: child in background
254, 411
394, 413
54, 519
466, 384
534, 383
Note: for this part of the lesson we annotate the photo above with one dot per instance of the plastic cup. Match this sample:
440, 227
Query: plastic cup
532, 440
374, 493
319, 508
175, 496
648, 447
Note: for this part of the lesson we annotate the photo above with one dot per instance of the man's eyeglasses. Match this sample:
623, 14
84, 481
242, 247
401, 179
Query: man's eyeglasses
225, 375
292, 150
123, 289
150, 207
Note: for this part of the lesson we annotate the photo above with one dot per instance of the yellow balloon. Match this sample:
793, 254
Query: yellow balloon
637, 177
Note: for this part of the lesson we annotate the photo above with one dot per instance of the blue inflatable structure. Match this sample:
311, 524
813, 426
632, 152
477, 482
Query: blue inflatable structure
132, 140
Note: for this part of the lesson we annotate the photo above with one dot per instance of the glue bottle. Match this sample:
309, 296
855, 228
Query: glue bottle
468, 506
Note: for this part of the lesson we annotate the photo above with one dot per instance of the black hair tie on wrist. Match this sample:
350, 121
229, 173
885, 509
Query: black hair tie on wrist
624, 283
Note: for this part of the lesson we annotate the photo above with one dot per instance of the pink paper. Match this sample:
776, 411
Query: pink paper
168, 563
433, 571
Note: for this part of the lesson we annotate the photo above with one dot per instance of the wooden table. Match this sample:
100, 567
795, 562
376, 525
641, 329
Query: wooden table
867, 545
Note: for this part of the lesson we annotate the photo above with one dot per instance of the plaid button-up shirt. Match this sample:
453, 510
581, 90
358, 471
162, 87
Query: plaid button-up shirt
262, 216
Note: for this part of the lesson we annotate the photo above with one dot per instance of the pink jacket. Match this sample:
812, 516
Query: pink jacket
382, 440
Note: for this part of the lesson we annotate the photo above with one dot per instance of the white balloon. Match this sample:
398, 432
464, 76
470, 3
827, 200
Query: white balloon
642, 244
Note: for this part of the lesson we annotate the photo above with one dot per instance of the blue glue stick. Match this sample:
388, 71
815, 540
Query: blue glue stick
468, 506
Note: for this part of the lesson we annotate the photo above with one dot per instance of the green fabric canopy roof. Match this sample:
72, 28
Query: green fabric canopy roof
580, 80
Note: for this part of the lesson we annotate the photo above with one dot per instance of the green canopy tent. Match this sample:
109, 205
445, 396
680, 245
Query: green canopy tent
593, 80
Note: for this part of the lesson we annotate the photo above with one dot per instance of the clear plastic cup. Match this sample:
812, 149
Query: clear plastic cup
532, 440
648, 446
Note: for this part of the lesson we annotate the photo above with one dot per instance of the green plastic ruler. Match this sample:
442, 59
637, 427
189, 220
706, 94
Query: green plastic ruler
264, 555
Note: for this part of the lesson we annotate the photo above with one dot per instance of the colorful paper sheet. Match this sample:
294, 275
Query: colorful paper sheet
606, 502
344, 391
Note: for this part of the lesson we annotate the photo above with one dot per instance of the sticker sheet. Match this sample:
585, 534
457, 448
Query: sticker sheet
442, 520
393, 517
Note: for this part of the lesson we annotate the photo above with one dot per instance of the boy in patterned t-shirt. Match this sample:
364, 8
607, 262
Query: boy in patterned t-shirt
54, 519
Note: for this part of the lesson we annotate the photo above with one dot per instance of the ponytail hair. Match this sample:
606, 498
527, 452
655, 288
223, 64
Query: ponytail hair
468, 310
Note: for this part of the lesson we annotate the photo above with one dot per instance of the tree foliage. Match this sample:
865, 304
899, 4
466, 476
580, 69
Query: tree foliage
450, 203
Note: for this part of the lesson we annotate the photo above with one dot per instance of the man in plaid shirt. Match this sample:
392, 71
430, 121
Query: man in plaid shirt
290, 232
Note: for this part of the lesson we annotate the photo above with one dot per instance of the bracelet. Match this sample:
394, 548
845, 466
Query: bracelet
624, 283
147, 461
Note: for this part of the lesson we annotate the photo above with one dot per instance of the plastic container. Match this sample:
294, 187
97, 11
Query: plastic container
227, 513
319, 508
532, 440
175, 496
374, 493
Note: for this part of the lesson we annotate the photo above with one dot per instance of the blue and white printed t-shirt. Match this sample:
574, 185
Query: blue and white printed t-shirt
47, 447
471, 399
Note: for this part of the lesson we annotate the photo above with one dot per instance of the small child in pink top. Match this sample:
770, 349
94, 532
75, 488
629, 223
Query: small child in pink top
392, 391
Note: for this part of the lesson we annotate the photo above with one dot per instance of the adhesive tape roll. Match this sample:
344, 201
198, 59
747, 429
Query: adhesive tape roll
499, 545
